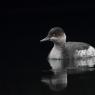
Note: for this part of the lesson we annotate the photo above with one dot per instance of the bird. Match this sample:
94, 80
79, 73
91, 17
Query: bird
63, 49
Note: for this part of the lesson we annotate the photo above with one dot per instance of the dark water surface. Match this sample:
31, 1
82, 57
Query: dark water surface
23, 70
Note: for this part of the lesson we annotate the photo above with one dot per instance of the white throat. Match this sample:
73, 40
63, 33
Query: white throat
56, 53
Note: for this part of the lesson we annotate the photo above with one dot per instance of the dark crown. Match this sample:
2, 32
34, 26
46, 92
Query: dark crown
56, 31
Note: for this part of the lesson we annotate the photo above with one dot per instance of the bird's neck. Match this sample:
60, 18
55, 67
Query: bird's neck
56, 52
59, 46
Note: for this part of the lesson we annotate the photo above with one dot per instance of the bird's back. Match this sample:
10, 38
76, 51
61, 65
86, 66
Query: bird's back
79, 49
77, 45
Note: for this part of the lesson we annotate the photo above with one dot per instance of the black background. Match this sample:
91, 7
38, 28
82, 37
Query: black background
22, 56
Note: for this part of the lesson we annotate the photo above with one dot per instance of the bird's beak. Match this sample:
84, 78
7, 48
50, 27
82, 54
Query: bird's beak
45, 39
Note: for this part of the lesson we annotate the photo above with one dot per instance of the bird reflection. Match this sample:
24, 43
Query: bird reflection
62, 68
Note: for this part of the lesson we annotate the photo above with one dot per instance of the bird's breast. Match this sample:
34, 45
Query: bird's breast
55, 53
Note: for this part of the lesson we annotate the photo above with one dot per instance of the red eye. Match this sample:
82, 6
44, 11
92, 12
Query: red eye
53, 34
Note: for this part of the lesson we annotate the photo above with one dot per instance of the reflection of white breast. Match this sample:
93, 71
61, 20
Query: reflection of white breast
55, 53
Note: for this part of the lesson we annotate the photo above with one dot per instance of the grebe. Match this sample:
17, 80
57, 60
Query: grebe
63, 49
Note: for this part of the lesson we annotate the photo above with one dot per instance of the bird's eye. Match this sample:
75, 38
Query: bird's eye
53, 34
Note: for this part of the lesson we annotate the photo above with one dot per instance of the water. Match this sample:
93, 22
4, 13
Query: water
68, 77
